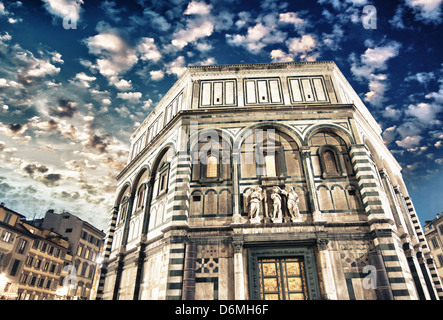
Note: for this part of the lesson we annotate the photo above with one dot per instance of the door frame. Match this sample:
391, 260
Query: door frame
282, 251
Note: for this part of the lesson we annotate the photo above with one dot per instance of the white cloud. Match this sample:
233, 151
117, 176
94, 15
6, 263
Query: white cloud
244, 19
133, 96
389, 134
427, 11
109, 7
148, 50
421, 77
41, 68
106, 101
176, 67
376, 58
294, 19
3, 11
392, 113
5, 37
409, 142
192, 33
3, 83
302, 45
121, 84
257, 37
426, 113
147, 104
333, 40
203, 47
368, 68
84, 79
207, 62
29, 69
301, 48
377, 88
156, 20
397, 19
200, 8
105, 42
115, 57
8, 14
56, 57
64, 8
279, 55
409, 128
157, 75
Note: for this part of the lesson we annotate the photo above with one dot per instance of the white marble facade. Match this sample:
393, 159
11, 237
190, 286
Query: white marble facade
242, 169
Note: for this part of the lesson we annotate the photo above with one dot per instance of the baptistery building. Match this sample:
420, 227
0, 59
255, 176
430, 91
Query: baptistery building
264, 181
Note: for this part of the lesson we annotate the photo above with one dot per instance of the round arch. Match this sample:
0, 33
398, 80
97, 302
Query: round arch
123, 190
332, 128
143, 170
195, 137
377, 158
165, 149
271, 125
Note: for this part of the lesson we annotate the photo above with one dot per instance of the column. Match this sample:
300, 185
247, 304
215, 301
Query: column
239, 279
383, 289
414, 267
128, 219
147, 209
118, 276
139, 274
398, 217
236, 218
406, 216
326, 269
427, 276
189, 271
307, 167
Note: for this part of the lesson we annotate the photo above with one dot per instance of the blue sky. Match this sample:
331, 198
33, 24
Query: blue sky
77, 77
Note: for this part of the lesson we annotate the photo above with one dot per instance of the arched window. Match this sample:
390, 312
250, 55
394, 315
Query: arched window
123, 210
141, 196
331, 162
163, 178
211, 158
269, 158
211, 167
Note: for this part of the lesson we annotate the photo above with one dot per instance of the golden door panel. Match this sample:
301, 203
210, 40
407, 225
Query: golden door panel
282, 279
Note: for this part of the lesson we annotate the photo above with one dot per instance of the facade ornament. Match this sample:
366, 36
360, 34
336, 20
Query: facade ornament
276, 198
322, 244
237, 246
253, 198
292, 203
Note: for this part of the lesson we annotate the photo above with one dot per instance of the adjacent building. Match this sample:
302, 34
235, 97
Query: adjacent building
31, 259
48, 259
434, 236
85, 245
264, 181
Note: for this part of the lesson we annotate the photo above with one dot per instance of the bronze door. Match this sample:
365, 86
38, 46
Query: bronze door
282, 279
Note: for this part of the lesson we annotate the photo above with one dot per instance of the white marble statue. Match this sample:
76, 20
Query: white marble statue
253, 198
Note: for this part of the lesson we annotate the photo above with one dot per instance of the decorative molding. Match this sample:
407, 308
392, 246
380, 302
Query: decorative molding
237, 246
322, 244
